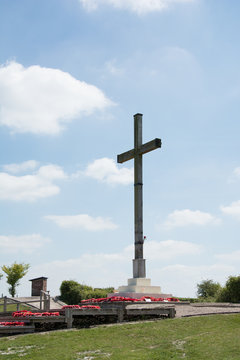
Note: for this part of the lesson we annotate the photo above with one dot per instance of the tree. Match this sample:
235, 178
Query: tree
14, 273
208, 288
231, 291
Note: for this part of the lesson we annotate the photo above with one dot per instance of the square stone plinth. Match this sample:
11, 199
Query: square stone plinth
140, 285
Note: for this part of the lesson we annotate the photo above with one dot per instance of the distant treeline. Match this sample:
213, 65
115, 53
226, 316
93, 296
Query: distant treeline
210, 291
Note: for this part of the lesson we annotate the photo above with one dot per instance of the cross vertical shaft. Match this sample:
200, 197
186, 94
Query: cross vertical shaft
138, 262
139, 268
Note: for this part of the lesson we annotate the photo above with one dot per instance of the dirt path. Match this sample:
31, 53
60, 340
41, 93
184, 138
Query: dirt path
206, 309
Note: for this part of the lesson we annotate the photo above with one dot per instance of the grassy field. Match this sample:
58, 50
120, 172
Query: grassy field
210, 337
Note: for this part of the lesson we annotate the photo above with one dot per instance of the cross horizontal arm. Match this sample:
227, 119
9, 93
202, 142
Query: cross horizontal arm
145, 148
128, 155
149, 146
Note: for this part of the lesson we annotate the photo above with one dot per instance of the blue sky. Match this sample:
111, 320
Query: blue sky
73, 73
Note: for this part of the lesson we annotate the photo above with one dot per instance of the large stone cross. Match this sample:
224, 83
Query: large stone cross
139, 268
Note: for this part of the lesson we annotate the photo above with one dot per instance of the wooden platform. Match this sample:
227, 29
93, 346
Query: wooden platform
121, 310
9, 330
151, 309
35, 319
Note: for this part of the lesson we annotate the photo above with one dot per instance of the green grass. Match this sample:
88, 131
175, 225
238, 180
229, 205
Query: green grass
210, 337
13, 307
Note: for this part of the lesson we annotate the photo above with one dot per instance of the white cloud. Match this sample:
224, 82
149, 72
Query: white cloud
42, 100
22, 167
106, 170
181, 280
235, 176
113, 269
83, 221
51, 172
102, 270
32, 186
166, 250
113, 69
236, 172
22, 244
233, 209
186, 217
137, 6
170, 249
98, 270
229, 257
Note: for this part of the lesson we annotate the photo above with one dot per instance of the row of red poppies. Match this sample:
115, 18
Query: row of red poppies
121, 298
26, 313
12, 323
80, 307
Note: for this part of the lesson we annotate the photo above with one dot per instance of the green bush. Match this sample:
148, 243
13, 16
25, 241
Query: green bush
231, 291
101, 293
72, 292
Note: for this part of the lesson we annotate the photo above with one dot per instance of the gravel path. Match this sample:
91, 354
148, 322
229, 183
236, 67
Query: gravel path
206, 309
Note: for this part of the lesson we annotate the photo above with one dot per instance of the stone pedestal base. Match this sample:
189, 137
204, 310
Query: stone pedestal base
138, 287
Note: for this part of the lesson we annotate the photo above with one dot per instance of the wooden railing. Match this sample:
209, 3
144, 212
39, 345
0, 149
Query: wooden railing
7, 301
44, 302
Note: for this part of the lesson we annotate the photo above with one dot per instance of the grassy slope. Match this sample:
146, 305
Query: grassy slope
211, 337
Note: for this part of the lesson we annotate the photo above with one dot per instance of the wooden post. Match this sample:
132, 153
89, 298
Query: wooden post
68, 318
5, 304
48, 302
41, 300
120, 312
172, 312
44, 301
